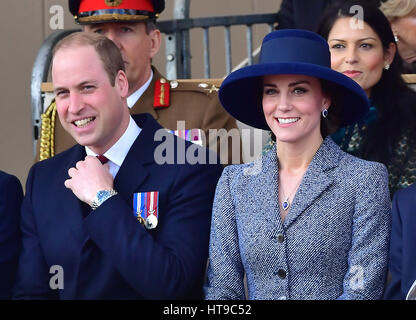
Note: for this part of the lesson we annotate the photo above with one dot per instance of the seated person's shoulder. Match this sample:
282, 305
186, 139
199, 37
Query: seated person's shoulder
8, 179
10, 189
407, 195
59, 160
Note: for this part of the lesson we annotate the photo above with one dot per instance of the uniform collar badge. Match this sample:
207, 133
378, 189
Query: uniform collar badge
161, 98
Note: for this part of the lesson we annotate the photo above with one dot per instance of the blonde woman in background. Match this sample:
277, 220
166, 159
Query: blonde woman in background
402, 17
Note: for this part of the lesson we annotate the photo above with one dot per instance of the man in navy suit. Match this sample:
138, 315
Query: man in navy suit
11, 195
130, 228
402, 256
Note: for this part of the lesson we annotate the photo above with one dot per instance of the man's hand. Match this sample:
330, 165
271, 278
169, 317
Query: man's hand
88, 177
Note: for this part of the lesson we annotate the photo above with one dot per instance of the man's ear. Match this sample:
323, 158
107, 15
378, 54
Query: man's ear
156, 39
122, 84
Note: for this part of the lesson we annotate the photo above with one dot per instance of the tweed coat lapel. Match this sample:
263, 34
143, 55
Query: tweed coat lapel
316, 179
264, 183
145, 103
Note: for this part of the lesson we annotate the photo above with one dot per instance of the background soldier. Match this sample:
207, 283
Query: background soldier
131, 26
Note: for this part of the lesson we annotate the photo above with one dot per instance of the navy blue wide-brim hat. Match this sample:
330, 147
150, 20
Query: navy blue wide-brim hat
289, 51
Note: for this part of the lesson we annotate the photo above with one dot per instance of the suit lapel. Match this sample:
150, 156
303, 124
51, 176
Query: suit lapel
73, 210
315, 181
131, 175
134, 172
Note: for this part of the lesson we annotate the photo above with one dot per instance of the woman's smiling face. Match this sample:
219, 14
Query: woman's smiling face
292, 106
358, 53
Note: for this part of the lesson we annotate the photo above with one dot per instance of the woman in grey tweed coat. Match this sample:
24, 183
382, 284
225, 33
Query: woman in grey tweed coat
305, 220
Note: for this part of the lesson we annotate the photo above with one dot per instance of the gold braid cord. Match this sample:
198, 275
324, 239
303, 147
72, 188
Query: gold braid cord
47, 132
112, 17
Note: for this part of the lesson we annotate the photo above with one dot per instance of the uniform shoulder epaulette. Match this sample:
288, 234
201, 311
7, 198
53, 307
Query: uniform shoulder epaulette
47, 132
206, 86
163, 88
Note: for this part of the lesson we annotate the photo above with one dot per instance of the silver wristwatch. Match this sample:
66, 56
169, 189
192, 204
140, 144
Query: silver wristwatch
101, 196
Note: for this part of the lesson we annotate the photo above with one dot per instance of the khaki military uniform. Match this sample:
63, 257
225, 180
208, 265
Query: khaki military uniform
194, 102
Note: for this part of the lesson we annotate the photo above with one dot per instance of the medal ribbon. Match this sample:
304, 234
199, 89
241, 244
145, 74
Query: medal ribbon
139, 205
145, 204
188, 134
152, 203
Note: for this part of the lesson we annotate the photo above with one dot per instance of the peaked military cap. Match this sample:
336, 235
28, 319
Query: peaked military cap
100, 11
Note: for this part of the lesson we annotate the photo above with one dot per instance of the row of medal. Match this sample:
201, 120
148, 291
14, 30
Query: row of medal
146, 206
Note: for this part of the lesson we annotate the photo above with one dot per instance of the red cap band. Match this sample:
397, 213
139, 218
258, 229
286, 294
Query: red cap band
93, 5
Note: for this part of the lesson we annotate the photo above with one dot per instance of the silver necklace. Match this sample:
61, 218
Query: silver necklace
286, 203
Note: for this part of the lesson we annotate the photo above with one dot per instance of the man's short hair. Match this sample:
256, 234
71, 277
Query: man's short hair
150, 26
106, 49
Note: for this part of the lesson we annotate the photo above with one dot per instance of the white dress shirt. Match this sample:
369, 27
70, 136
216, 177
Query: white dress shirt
118, 152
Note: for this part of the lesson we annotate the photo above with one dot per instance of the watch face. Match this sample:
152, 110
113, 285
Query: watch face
102, 195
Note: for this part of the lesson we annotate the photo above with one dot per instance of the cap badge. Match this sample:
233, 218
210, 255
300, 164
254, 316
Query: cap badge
113, 3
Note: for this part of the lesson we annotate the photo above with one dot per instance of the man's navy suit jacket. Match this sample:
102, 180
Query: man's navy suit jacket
107, 253
11, 195
402, 260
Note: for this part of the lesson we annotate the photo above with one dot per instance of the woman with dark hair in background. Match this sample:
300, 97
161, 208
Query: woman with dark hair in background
387, 133
362, 47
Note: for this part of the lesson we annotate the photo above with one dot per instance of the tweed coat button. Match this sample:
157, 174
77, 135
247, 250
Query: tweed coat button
281, 273
280, 238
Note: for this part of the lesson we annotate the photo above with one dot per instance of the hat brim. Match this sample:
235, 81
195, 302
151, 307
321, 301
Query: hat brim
240, 95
